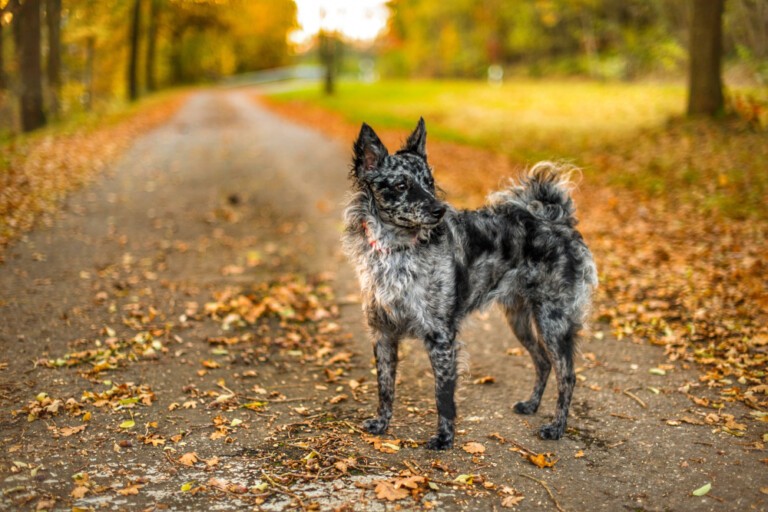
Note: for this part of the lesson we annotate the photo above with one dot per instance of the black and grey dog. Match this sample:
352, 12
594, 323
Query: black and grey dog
423, 266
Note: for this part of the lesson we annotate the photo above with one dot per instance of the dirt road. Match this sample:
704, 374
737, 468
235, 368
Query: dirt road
171, 344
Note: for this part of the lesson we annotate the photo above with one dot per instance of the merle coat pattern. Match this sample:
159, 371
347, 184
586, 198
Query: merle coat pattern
424, 266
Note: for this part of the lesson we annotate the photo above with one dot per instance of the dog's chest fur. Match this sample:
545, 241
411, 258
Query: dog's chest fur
400, 284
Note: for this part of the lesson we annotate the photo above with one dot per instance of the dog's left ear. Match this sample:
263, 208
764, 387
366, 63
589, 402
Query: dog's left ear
417, 141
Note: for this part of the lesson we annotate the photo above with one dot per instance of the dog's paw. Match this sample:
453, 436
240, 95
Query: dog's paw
375, 426
552, 431
439, 442
528, 407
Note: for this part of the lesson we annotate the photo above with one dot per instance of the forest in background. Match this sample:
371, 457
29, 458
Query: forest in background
64, 57
605, 39
94, 52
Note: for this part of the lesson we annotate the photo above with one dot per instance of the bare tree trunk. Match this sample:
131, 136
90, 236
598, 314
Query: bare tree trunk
53, 20
133, 60
27, 35
3, 79
154, 13
90, 52
327, 44
705, 87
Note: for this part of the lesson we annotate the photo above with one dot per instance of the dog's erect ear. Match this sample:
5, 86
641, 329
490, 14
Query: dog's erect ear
417, 141
369, 151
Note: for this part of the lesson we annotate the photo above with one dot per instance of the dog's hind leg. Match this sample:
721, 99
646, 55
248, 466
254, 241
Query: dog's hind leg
442, 355
560, 345
522, 325
385, 351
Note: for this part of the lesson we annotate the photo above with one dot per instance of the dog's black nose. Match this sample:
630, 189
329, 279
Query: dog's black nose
438, 211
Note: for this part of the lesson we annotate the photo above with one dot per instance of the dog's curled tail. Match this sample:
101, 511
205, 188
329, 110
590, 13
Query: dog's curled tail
545, 191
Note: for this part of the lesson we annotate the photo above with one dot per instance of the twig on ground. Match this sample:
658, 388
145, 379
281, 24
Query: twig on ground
635, 398
284, 490
546, 488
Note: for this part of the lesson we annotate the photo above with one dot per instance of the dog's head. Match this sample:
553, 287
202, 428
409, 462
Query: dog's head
401, 184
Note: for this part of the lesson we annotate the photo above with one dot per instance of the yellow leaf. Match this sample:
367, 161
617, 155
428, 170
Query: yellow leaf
128, 424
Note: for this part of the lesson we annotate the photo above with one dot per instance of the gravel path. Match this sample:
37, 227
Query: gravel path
226, 195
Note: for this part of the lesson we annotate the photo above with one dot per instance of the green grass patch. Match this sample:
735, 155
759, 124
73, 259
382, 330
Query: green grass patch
521, 118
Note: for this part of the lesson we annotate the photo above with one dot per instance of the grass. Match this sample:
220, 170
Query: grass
626, 134
521, 118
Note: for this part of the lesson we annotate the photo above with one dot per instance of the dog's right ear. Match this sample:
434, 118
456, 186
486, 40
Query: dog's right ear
369, 151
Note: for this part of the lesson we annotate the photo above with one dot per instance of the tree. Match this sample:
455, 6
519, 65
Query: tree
705, 87
133, 59
149, 74
53, 21
328, 47
27, 35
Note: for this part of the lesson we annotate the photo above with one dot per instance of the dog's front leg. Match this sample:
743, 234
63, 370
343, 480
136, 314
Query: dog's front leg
442, 355
385, 351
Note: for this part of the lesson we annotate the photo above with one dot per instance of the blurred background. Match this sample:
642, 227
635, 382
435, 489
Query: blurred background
62, 57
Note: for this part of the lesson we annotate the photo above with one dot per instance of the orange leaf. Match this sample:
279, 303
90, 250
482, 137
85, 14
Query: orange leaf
188, 459
473, 448
386, 490
542, 460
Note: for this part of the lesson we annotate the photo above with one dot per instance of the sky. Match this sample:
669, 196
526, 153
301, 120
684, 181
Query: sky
356, 19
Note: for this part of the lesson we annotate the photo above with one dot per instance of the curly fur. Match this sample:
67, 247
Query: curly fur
424, 266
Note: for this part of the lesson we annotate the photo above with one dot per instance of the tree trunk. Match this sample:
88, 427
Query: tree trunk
705, 87
53, 20
327, 45
133, 60
3, 79
154, 13
90, 53
27, 35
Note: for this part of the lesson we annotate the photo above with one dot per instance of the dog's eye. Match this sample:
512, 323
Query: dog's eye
401, 186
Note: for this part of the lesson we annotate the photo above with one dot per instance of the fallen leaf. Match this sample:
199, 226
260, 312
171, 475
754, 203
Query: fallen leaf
473, 448
542, 460
465, 479
68, 431
188, 459
511, 501
386, 490
487, 379
129, 490
128, 424
704, 489
79, 491
410, 482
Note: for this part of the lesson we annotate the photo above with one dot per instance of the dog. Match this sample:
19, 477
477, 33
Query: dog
423, 266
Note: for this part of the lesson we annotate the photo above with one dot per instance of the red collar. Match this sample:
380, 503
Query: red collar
377, 246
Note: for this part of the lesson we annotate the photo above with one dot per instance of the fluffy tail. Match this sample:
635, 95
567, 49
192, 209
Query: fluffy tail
545, 191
